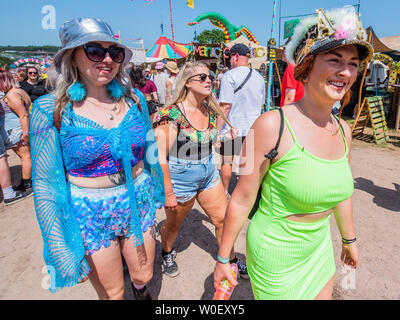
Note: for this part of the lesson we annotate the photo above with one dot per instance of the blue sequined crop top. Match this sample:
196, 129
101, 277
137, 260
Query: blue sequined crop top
88, 152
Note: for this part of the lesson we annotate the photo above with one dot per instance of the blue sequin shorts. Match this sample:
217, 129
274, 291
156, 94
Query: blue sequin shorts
105, 214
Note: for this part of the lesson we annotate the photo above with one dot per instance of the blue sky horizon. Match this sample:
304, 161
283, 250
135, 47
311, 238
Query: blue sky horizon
23, 22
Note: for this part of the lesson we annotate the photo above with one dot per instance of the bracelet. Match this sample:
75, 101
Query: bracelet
25, 132
346, 241
222, 260
169, 194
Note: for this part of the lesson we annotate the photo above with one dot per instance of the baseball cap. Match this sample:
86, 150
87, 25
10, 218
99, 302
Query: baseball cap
239, 48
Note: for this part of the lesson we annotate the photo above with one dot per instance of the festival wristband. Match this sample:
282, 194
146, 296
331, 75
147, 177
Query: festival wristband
346, 241
25, 132
222, 260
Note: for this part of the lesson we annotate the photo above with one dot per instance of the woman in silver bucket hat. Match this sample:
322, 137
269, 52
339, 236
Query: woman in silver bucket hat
303, 170
96, 176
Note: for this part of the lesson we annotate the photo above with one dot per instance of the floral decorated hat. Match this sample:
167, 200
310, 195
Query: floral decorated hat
324, 32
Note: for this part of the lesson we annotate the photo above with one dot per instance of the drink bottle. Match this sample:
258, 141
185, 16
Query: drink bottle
225, 289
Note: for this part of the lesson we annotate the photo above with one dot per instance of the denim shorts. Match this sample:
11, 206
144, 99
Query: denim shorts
190, 176
10, 132
105, 214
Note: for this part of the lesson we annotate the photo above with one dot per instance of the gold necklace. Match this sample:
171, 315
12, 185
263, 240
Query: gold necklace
115, 109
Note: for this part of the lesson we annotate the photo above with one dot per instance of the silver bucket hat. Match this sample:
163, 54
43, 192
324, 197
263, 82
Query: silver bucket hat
75, 33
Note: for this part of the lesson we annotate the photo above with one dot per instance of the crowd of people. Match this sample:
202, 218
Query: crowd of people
114, 142
17, 92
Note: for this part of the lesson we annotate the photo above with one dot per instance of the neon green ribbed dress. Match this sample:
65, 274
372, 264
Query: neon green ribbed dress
294, 260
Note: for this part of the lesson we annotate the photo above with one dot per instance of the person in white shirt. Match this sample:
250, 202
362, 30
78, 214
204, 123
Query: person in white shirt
242, 95
159, 79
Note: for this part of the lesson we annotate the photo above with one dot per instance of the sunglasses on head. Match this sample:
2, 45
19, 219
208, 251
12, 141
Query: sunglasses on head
97, 53
202, 77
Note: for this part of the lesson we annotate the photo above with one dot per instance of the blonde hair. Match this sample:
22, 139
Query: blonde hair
69, 75
181, 91
7, 81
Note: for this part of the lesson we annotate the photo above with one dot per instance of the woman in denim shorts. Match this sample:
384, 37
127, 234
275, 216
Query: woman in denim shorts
14, 126
186, 131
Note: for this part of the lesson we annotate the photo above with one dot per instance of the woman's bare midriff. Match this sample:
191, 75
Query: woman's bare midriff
309, 217
109, 181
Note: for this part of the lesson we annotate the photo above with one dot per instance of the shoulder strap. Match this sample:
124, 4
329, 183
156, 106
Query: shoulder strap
245, 81
274, 152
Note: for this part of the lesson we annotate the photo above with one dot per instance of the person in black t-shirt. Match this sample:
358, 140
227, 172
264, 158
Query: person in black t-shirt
33, 85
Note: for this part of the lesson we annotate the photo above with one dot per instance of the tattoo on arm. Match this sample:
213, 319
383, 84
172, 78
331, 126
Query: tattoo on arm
153, 232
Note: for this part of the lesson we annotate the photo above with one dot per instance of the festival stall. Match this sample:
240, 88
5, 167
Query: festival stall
393, 43
211, 54
231, 31
167, 49
258, 53
381, 104
383, 67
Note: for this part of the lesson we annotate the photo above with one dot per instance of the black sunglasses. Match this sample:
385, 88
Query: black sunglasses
203, 77
97, 53
32, 73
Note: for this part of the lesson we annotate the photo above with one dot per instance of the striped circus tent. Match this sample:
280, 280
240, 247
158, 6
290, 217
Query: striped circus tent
164, 48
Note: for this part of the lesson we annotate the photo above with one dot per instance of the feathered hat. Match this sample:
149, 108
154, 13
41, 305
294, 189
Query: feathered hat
324, 32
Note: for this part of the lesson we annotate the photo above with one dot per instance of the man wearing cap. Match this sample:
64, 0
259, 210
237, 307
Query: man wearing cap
160, 78
242, 95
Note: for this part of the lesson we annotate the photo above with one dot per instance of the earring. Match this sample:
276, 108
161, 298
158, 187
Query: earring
115, 90
77, 92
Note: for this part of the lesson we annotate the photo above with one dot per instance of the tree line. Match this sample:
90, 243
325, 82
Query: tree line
30, 48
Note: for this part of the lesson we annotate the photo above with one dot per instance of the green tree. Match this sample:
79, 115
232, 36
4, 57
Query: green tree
5, 62
211, 36
30, 48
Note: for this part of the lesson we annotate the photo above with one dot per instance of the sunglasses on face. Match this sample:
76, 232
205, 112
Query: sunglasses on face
32, 73
202, 77
97, 53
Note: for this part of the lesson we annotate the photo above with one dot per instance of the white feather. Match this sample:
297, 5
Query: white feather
343, 19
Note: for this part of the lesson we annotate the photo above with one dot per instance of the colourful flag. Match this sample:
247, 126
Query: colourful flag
118, 36
190, 3
289, 27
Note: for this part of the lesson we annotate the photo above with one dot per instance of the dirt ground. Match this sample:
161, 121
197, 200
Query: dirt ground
376, 171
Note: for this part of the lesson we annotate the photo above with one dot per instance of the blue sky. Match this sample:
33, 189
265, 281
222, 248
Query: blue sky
21, 21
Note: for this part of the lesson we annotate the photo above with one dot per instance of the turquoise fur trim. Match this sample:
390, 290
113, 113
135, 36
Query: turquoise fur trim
115, 90
77, 92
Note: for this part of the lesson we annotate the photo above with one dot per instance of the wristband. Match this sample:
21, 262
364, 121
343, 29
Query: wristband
346, 241
222, 260
25, 132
